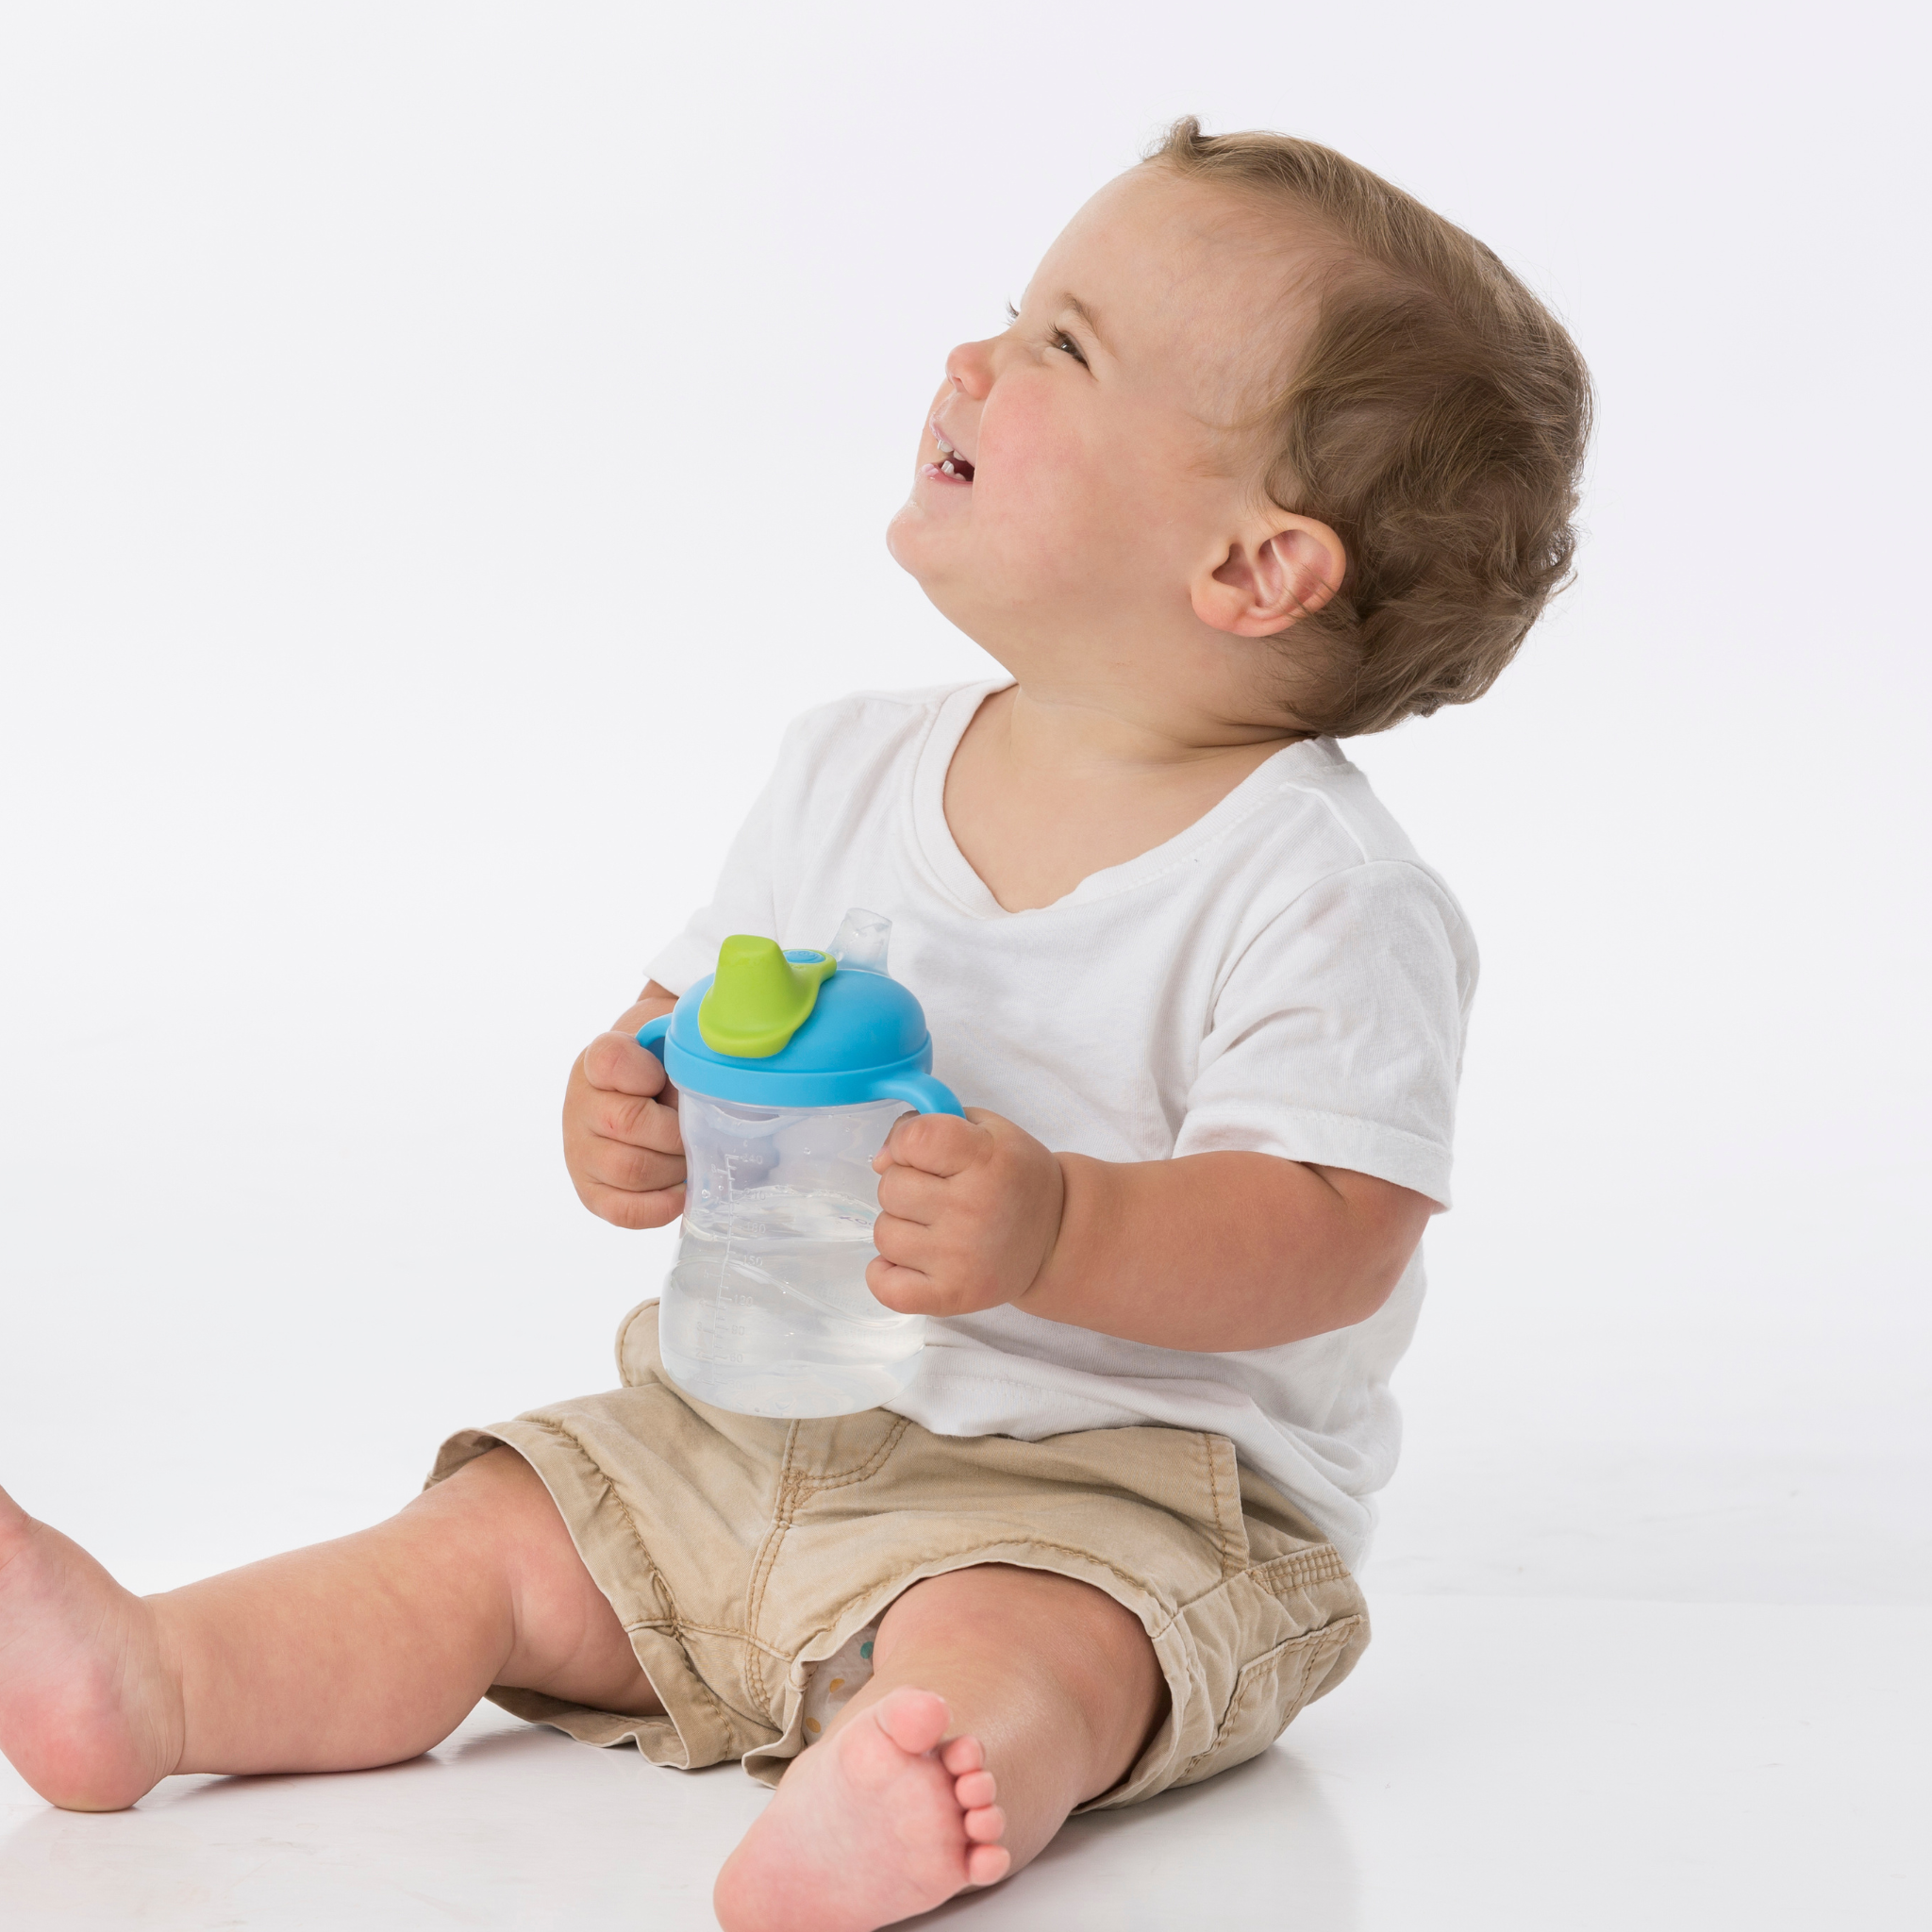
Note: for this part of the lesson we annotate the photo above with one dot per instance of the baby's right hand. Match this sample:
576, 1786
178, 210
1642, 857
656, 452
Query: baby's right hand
620, 1124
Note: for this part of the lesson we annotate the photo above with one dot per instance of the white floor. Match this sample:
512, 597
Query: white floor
1553, 1765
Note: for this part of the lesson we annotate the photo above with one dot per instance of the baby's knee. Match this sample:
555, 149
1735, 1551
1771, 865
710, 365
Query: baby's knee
495, 1517
1060, 1623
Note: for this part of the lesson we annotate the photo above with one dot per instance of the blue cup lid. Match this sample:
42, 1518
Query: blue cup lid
863, 1039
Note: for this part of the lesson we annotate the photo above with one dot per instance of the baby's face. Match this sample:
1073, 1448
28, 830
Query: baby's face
1079, 472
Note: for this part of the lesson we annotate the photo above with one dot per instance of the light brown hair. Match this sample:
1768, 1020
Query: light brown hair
1435, 419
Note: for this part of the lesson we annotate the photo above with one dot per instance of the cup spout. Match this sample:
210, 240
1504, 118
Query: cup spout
861, 939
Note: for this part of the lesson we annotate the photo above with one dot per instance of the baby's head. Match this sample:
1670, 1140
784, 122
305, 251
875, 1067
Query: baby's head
1267, 448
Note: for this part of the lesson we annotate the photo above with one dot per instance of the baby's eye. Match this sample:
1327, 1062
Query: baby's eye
1065, 343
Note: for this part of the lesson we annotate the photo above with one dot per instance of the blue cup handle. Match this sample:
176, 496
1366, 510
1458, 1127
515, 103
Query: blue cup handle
920, 1091
651, 1034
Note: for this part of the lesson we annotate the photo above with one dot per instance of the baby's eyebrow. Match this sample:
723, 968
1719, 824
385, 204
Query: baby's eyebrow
1086, 315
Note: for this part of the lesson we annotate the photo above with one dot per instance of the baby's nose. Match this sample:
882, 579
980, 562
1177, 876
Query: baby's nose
969, 369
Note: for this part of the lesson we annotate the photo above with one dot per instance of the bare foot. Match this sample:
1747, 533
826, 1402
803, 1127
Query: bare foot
88, 1713
871, 1825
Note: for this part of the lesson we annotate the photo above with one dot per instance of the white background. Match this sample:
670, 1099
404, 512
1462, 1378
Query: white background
441, 445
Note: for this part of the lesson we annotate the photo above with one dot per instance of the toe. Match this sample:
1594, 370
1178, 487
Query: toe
914, 1720
963, 1754
987, 1826
988, 1864
975, 1790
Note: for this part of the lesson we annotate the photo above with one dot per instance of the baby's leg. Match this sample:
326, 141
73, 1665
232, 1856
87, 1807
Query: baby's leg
1048, 1690
354, 1653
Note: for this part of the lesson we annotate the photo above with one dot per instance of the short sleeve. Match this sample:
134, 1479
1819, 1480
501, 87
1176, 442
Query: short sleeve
1337, 1037
746, 899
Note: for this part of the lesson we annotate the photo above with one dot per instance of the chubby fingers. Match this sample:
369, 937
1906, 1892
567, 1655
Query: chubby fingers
619, 1164
632, 1121
919, 1169
615, 1063
937, 1143
941, 1266
905, 1290
616, 1099
969, 1210
629, 1187
634, 1209
911, 1194
621, 1138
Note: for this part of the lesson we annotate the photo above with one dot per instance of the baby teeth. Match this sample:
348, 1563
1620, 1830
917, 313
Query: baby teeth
948, 468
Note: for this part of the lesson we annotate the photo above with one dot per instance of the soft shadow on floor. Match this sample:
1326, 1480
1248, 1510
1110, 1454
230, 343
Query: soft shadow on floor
505, 1826
1259, 1846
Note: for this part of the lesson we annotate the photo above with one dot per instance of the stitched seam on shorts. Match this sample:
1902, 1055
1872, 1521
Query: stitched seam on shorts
1136, 1584
1320, 1564
859, 1471
1338, 1631
1228, 1565
771, 1650
1237, 1704
796, 1487
1280, 1576
1213, 1590
659, 1583
784, 1505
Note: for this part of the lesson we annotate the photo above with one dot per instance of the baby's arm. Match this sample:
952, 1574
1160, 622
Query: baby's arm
1210, 1251
620, 1123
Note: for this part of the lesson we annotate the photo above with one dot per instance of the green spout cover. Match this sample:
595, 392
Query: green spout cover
759, 998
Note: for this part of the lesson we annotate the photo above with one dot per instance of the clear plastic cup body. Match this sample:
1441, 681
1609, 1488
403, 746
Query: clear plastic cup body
766, 1311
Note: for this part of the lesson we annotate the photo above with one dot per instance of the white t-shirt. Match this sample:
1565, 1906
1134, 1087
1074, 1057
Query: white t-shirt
1285, 977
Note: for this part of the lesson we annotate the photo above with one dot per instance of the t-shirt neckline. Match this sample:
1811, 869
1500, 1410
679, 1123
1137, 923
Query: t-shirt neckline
955, 872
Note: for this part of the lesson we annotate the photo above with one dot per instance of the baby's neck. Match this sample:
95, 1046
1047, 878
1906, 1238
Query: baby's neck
1045, 791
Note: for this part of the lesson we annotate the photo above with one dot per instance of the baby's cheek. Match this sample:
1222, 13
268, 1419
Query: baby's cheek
1064, 515
1040, 466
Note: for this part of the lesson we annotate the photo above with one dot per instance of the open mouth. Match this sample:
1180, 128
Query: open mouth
951, 462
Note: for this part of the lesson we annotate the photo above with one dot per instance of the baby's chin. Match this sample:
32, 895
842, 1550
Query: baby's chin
949, 582
915, 543
1005, 590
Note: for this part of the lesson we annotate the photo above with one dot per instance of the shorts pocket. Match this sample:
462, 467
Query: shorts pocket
1268, 1692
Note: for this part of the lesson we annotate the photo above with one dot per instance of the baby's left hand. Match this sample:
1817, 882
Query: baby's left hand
969, 1213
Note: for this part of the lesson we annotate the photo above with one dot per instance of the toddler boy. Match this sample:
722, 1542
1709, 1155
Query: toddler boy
1269, 455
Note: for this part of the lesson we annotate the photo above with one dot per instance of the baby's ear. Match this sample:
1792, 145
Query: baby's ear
1269, 576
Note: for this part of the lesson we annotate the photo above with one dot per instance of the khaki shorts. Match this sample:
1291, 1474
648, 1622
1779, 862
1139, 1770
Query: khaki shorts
741, 1551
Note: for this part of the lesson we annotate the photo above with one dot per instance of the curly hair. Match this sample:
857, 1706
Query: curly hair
1435, 419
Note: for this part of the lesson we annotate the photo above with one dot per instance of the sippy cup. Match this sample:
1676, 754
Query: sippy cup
791, 1069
